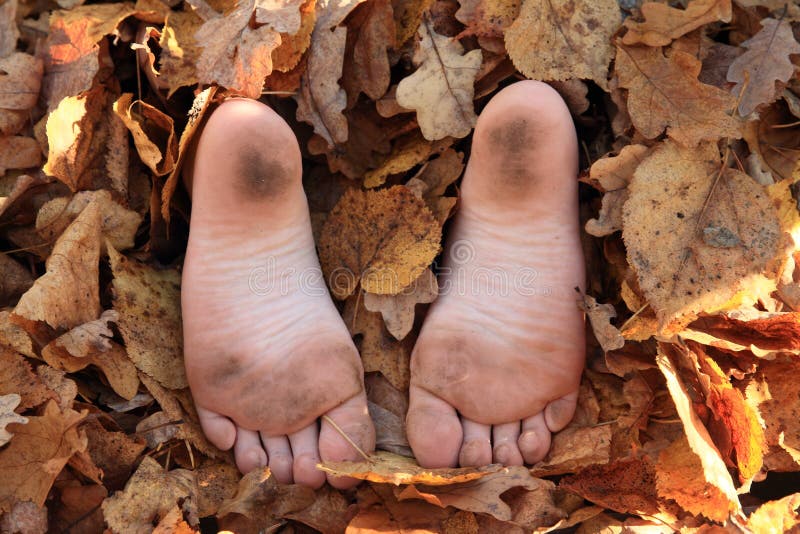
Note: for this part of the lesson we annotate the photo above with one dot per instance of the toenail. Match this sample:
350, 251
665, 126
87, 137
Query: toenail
257, 458
529, 438
502, 452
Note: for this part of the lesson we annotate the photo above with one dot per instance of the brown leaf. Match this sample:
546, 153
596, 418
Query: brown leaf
8, 404
19, 88
18, 378
172, 523
262, 499
372, 30
481, 495
179, 50
563, 39
408, 15
16, 280
17, 152
331, 13
148, 496
215, 484
600, 316
148, 303
442, 88
385, 467
700, 236
79, 509
574, 448
398, 310
327, 513
115, 453
12, 336
664, 23
321, 100
235, 55
775, 140
664, 92
361, 244
281, 15
766, 62
153, 133
293, 45
9, 33
407, 152
35, 456
487, 18
26, 518
65, 389
776, 516
67, 295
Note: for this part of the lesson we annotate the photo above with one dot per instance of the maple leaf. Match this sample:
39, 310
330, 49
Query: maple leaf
442, 88
68, 294
8, 416
150, 494
692, 250
487, 18
360, 244
765, 62
664, 92
321, 100
398, 310
148, 303
663, 23
235, 55
31, 461
388, 468
562, 39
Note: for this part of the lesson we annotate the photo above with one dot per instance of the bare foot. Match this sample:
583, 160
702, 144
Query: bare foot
497, 365
266, 351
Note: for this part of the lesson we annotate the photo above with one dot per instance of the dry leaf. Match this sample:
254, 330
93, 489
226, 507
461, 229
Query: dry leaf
179, 50
30, 463
293, 45
487, 18
600, 316
372, 29
67, 295
442, 88
235, 55
408, 15
664, 23
262, 499
563, 39
16, 280
398, 310
115, 453
385, 467
281, 15
664, 92
407, 152
215, 484
321, 100
331, 13
8, 28
481, 495
699, 236
7, 416
153, 133
776, 516
148, 496
360, 244
574, 448
766, 62
18, 379
17, 152
19, 87
326, 514
148, 303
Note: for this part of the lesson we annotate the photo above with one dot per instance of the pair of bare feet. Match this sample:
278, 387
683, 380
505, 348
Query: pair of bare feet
497, 365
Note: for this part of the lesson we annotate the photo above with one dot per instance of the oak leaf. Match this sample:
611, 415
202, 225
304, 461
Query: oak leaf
664, 23
235, 55
563, 39
321, 100
68, 294
487, 18
149, 495
664, 92
442, 88
698, 235
8, 416
398, 310
179, 50
30, 463
765, 62
387, 468
481, 495
381, 239
372, 29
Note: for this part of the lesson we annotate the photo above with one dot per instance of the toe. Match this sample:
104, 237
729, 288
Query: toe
434, 431
477, 447
534, 442
280, 458
352, 418
559, 412
218, 429
306, 457
505, 448
248, 451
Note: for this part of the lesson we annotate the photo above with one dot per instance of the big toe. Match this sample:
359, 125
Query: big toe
434, 431
345, 433
219, 430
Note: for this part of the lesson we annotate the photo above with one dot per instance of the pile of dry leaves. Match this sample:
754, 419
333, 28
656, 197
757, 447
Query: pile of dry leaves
689, 115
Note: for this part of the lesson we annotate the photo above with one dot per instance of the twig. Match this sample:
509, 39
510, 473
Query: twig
347, 438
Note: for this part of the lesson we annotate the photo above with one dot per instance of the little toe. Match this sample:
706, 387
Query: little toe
306, 457
558, 413
477, 447
434, 431
505, 449
218, 429
352, 419
534, 442
280, 458
248, 451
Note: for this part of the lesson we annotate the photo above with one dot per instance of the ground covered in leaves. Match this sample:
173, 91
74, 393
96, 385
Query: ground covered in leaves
689, 117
